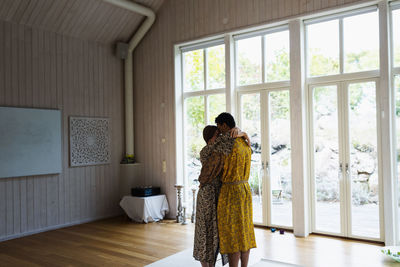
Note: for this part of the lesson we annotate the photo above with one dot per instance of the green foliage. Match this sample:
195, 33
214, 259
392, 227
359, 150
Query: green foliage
248, 72
216, 67
216, 105
194, 147
194, 70
361, 61
396, 52
251, 107
356, 96
320, 64
194, 80
254, 180
194, 113
194, 110
320, 92
278, 69
280, 104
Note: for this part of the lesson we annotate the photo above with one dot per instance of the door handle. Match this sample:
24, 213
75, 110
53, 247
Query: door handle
265, 166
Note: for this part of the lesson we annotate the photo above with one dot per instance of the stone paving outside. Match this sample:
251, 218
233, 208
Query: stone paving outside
365, 217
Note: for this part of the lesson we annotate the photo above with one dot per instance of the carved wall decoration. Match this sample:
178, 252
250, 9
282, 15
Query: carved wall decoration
89, 141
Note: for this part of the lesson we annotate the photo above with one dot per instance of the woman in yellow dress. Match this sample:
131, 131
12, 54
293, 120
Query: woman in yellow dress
235, 210
206, 241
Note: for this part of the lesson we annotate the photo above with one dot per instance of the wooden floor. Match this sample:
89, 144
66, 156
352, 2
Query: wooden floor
117, 242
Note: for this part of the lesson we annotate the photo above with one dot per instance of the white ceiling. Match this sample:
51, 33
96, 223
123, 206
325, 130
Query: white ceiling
91, 20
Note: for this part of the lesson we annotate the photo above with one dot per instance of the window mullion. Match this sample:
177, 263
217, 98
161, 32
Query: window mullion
229, 74
236, 63
341, 47
263, 59
306, 53
206, 115
205, 67
182, 73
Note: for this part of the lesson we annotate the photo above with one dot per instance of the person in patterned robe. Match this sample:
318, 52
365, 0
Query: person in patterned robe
206, 241
235, 210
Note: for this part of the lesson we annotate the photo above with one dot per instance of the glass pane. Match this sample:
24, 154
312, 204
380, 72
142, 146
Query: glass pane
193, 70
251, 123
277, 56
193, 129
396, 36
323, 48
361, 42
397, 118
216, 105
280, 159
326, 159
249, 61
363, 160
216, 67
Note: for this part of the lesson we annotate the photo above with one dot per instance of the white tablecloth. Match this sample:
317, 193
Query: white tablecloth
145, 209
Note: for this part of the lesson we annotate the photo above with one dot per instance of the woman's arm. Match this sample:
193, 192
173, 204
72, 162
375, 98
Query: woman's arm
236, 132
245, 136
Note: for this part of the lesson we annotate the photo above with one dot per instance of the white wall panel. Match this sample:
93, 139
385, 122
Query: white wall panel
42, 69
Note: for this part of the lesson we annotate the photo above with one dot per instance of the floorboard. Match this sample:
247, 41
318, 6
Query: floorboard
120, 242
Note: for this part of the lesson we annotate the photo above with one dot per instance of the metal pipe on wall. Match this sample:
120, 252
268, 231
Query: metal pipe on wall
137, 37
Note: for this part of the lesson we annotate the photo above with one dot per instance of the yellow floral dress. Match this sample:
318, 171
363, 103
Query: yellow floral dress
235, 210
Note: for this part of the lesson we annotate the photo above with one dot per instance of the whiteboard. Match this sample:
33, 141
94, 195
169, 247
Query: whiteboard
30, 141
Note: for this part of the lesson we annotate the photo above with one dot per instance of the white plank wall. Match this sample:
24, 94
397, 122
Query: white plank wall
184, 20
41, 69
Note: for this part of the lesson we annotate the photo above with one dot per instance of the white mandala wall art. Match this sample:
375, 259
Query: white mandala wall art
89, 141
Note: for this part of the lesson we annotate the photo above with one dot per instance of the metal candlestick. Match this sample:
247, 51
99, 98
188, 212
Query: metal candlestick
184, 216
194, 205
179, 215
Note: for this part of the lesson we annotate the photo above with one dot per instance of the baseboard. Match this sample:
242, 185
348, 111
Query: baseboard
54, 227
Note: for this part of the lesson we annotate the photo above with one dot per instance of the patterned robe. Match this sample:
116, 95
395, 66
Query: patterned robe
235, 210
206, 241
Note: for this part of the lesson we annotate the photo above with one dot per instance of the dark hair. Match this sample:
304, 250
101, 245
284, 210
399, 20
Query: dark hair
227, 118
208, 132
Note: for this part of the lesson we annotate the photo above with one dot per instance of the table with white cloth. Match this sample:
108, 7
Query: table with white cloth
145, 209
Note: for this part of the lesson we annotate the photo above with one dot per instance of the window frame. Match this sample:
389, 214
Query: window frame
183, 95
341, 79
393, 72
300, 80
341, 75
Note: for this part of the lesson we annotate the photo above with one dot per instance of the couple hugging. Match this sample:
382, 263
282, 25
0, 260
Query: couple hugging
224, 213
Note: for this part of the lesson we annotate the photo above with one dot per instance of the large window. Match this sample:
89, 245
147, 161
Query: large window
345, 122
262, 75
204, 98
341, 53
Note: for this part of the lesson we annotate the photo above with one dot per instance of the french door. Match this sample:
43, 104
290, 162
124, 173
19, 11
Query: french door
344, 159
265, 116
